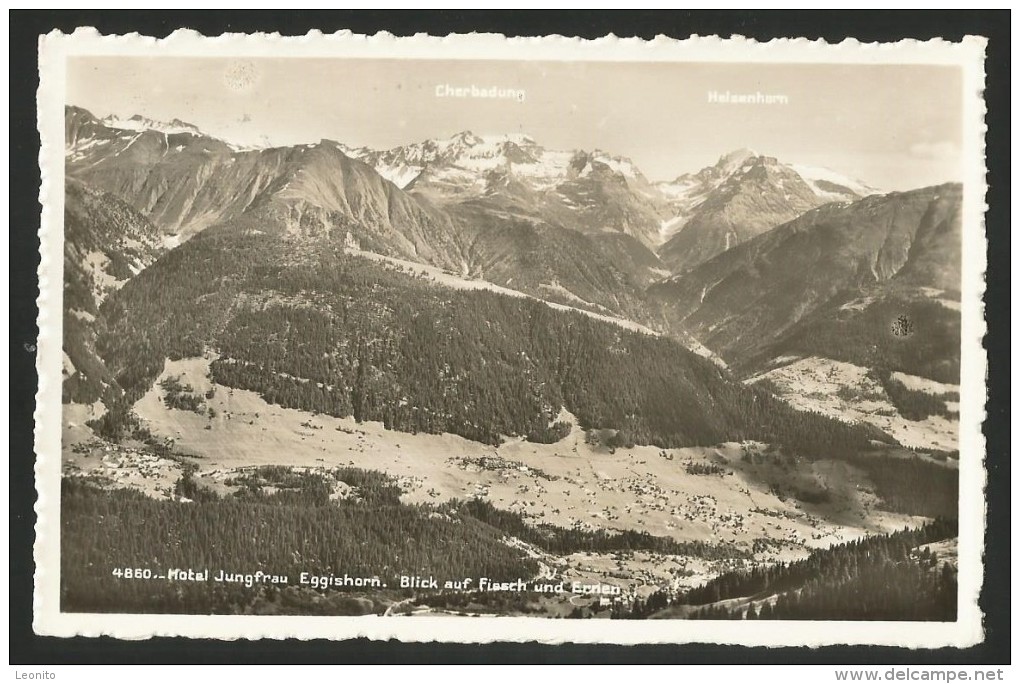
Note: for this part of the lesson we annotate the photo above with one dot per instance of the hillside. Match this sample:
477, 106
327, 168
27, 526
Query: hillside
605, 273
258, 529
106, 242
286, 314
837, 262
827, 309
534, 221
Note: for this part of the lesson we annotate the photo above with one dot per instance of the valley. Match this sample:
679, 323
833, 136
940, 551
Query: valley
728, 496
478, 357
569, 483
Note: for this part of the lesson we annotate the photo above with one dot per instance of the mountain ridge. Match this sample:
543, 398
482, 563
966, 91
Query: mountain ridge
589, 191
898, 243
187, 183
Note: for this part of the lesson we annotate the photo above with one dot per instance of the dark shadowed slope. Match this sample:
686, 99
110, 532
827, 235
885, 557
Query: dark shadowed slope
837, 262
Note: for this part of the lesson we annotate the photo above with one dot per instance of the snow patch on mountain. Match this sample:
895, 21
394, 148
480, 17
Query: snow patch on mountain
547, 171
671, 227
620, 165
679, 189
400, 175
730, 162
464, 160
817, 177
80, 148
140, 123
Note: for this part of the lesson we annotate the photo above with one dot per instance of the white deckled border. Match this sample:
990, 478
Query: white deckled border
56, 48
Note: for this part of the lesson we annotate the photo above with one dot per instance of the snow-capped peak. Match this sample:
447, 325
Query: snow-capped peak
464, 163
688, 192
515, 138
735, 159
462, 154
141, 123
826, 182
620, 165
463, 138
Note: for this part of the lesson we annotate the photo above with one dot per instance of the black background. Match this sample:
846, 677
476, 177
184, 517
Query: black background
26, 26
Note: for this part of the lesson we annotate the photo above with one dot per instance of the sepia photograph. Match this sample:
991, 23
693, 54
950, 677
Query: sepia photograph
454, 338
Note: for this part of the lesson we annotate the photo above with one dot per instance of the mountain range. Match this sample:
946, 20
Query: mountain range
593, 192
752, 261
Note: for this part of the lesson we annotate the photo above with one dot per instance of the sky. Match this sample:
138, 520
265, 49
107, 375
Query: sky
894, 127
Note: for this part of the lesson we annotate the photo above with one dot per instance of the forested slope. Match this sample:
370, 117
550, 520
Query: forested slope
311, 327
878, 578
105, 243
292, 531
